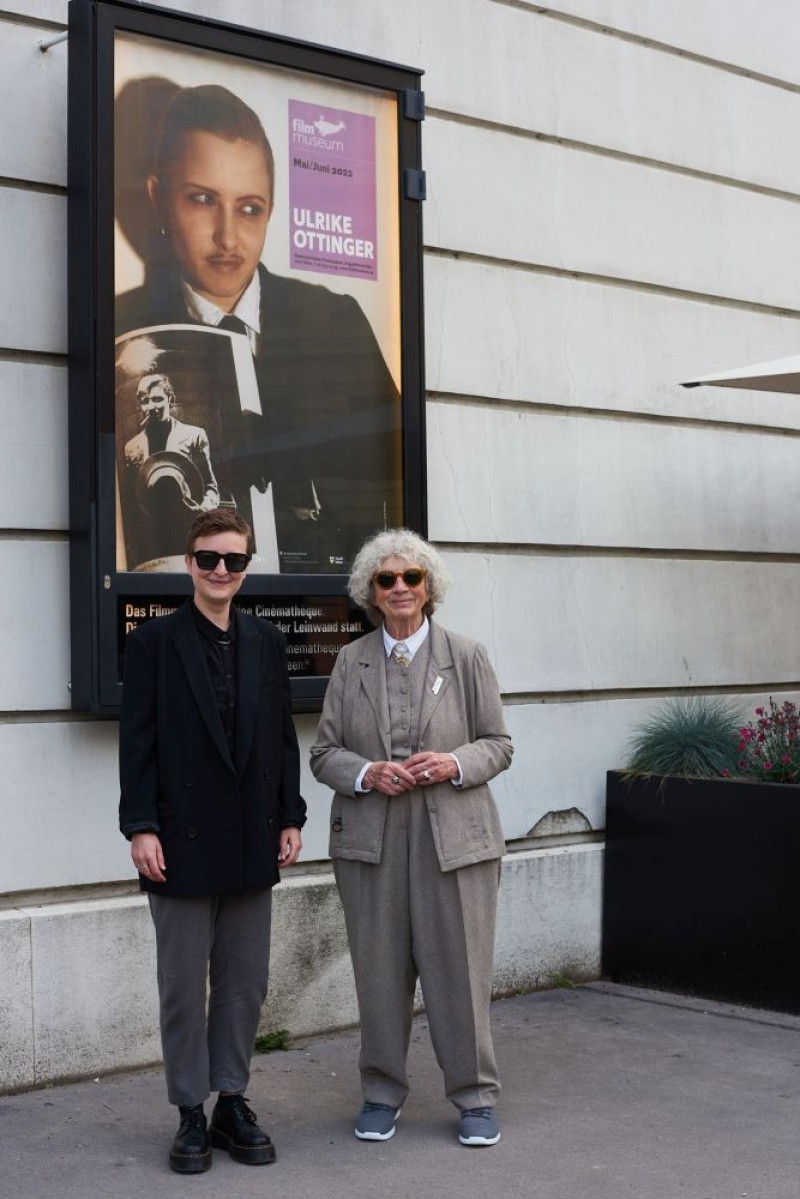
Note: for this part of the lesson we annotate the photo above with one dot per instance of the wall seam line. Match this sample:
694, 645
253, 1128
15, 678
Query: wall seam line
568, 143
538, 549
648, 43
449, 399
514, 699
475, 258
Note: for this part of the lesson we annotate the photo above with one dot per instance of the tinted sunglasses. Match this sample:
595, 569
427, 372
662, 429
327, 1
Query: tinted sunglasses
411, 577
209, 559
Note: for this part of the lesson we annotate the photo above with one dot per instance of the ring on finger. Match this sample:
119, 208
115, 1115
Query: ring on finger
395, 779
426, 774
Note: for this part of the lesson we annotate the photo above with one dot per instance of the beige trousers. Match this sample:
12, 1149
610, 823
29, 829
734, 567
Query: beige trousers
407, 918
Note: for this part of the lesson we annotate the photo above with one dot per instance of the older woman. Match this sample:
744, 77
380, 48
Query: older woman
411, 733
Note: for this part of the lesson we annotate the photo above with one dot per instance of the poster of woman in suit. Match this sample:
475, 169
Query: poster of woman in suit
256, 257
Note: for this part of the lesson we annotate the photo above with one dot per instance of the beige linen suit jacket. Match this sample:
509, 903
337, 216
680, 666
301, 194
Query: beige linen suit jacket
461, 713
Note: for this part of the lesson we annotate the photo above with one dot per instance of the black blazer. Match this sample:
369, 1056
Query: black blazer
331, 414
219, 821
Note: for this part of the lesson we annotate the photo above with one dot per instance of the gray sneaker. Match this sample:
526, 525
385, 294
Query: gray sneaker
478, 1126
376, 1122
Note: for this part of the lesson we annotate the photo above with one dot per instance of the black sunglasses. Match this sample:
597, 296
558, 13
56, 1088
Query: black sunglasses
411, 577
209, 560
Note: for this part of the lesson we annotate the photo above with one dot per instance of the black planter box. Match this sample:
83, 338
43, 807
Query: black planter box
701, 888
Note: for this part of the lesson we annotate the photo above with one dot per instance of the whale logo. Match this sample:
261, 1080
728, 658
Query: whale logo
327, 128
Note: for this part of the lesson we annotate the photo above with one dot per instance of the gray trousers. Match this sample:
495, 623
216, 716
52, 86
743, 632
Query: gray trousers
406, 918
213, 968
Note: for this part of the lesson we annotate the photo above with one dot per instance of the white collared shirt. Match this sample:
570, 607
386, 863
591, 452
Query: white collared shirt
413, 642
247, 310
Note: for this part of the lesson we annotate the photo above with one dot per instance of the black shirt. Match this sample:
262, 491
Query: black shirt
219, 648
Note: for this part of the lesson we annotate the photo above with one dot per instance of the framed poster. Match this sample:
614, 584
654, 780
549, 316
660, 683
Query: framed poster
245, 323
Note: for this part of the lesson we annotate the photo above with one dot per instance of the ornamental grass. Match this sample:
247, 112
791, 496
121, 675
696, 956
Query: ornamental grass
697, 737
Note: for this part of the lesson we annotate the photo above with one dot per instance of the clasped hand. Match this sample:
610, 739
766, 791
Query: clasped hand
421, 770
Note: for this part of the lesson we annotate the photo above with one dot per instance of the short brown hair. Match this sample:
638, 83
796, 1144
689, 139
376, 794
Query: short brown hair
219, 520
209, 109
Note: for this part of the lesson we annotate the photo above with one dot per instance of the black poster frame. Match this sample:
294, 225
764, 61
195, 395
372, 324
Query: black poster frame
99, 591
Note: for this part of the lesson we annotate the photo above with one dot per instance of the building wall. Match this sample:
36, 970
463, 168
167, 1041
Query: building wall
614, 204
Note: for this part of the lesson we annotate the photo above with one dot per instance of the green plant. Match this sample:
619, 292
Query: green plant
561, 980
697, 737
272, 1042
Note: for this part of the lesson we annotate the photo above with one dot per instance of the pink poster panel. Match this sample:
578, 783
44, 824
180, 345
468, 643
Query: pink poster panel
332, 191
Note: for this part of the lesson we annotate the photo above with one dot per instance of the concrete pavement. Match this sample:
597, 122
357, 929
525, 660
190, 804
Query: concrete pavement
609, 1093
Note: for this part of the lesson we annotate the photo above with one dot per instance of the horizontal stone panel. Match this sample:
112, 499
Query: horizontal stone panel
500, 475
62, 778
521, 335
34, 141
759, 38
318, 798
554, 623
33, 283
311, 977
34, 651
94, 1006
45, 10
585, 212
33, 446
549, 916
16, 980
